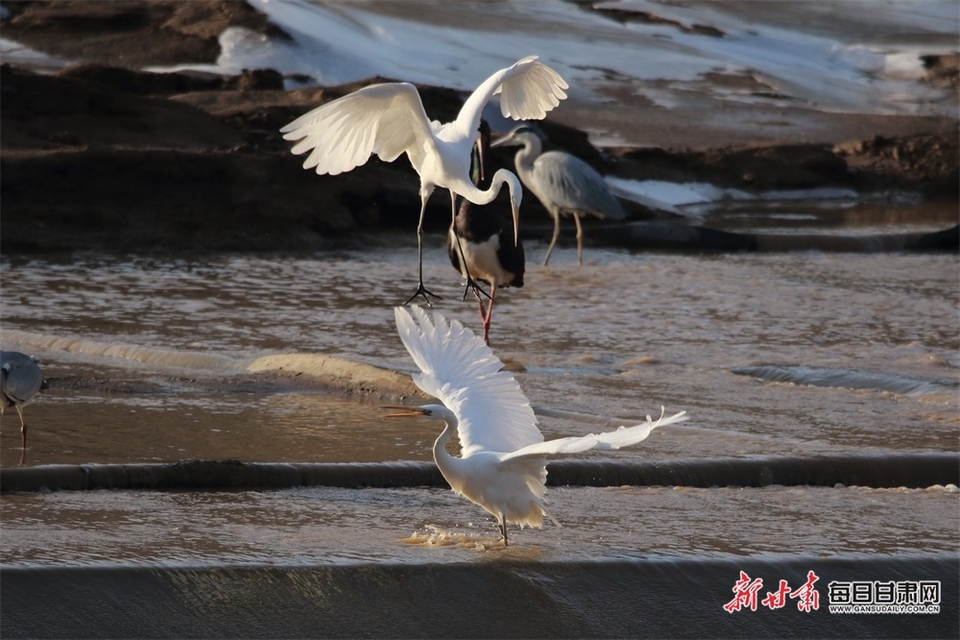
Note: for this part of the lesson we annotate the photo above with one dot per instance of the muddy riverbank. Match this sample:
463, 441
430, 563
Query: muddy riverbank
100, 154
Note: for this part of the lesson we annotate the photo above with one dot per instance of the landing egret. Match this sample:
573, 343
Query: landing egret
389, 119
20, 382
479, 243
563, 183
502, 463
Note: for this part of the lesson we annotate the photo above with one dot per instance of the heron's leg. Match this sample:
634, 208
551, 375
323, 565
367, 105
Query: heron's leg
421, 290
23, 428
556, 233
576, 219
503, 528
23, 437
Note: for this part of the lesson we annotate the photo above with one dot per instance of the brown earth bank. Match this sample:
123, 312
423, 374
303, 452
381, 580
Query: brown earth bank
104, 156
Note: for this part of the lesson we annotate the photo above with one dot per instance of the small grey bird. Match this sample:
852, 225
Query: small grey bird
20, 382
563, 183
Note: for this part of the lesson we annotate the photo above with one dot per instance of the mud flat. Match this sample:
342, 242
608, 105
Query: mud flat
97, 153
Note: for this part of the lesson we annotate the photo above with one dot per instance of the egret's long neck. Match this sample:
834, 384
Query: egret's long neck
445, 461
486, 196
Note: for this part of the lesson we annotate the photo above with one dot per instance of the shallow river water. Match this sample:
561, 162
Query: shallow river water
803, 354
776, 354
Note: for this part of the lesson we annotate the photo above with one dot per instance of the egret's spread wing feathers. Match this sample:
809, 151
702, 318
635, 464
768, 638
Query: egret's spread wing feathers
533, 91
573, 185
622, 437
385, 119
459, 369
528, 90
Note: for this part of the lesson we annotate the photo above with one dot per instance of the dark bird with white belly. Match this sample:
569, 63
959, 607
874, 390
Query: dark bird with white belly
480, 242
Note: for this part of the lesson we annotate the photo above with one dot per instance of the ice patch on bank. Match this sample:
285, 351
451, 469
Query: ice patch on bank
854, 58
697, 198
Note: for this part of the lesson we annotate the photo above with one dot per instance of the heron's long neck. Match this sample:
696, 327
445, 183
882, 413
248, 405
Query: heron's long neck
531, 150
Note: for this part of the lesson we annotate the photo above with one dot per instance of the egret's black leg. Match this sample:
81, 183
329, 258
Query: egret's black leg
470, 281
421, 290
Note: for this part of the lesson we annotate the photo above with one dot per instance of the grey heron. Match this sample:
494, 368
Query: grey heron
502, 463
21, 381
563, 183
480, 245
389, 120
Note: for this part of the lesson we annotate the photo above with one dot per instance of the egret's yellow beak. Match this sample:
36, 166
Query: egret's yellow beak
403, 412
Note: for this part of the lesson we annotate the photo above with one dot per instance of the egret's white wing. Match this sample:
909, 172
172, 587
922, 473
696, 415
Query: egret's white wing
385, 119
622, 437
528, 90
459, 369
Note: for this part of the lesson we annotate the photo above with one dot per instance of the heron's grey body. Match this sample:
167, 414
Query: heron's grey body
20, 382
563, 183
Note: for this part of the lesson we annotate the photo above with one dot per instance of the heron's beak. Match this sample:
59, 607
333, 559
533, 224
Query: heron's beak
500, 142
515, 210
403, 412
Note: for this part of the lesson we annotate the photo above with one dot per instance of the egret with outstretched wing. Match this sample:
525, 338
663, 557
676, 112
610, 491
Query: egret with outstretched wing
502, 463
389, 120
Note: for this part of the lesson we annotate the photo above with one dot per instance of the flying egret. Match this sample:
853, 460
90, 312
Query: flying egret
479, 243
502, 463
20, 382
389, 119
563, 183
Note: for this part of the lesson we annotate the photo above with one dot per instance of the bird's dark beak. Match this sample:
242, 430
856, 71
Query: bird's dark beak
403, 412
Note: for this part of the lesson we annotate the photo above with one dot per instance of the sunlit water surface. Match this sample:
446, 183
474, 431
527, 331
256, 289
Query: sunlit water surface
617, 338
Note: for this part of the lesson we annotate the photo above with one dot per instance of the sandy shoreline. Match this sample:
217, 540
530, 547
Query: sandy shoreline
103, 156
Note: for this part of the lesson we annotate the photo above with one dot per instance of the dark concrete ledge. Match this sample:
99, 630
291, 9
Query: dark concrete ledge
915, 470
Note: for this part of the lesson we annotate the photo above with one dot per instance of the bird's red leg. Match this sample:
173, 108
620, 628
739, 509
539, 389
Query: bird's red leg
489, 314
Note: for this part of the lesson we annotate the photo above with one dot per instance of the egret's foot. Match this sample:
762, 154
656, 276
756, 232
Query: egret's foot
477, 289
423, 292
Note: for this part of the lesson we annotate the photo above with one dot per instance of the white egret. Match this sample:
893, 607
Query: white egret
563, 183
20, 382
479, 244
502, 463
389, 120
